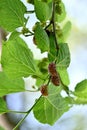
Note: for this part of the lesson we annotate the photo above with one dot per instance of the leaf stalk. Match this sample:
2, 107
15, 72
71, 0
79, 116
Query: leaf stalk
21, 121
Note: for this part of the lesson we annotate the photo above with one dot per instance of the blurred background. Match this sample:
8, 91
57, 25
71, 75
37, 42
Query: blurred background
76, 117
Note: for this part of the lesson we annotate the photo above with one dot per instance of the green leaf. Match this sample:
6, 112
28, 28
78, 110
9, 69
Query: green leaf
79, 100
61, 16
43, 68
81, 89
1, 128
17, 59
81, 92
14, 35
39, 82
63, 33
63, 56
47, 1
64, 76
8, 86
41, 38
43, 65
52, 50
50, 109
30, 1
3, 107
60, 36
12, 14
52, 89
66, 29
42, 10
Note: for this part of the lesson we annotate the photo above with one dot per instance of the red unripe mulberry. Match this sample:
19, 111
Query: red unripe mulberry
55, 80
52, 69
44, 90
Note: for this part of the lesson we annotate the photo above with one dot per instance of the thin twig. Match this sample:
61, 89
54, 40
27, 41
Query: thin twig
32, 90
19, 112
21, 121
48, 25
27, 35
54, 27
30, 11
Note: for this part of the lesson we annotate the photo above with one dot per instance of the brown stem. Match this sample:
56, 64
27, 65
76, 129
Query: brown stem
54, 27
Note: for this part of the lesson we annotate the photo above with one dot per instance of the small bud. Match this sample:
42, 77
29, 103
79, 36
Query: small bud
44, 90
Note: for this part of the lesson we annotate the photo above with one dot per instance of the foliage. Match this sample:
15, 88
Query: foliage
1, 128
15, 85
17, 60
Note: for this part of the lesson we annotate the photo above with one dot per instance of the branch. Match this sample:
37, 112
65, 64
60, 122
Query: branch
54, 27
21, 121
30, 11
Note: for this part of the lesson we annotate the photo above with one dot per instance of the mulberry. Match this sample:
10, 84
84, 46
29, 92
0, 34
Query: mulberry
52, 69
44, 90
55, 80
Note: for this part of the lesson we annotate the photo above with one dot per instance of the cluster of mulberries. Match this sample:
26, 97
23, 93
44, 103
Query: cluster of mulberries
55, 79
54, 75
